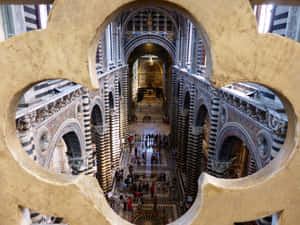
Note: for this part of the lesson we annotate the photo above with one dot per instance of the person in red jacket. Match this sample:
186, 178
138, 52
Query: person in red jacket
129, 204
129, 141
152, 190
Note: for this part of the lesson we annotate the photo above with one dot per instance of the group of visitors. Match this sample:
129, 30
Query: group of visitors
155, 141
132, 185
150, 140
119, 175
132, 190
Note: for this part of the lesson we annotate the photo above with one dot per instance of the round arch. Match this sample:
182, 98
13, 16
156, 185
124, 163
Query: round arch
69, 131
111, 100
237, 154
98, 102
73, 150
96, 116
202, 111
156, 66
236, 130
149, 38
201, 127
187, 100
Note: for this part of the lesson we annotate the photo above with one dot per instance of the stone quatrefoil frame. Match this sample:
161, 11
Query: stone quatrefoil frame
67, 49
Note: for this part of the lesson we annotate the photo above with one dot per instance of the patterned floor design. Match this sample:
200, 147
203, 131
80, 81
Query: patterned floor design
167, 204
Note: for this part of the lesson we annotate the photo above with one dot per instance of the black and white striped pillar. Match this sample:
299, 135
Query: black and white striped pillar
180, 126
103, 159
215, 108
26, 137
172, 109
277, 142
90, 171
124, 105
107, 146
252, 167
115, 115
193, 159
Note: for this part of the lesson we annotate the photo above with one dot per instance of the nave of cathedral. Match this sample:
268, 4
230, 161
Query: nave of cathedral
141, 131
146, 176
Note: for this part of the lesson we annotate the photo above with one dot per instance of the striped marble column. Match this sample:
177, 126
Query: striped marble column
122, 116
193, 159
252, 167
103, 159
277, 142
185, 44
200, 56
183, 131
180, 126
26, 137
107, 148
121, 107
188, 126
115, 115
37, 218
198, 155
124, 104
213, 135
100, 67
172, 109
195, 52
90, 171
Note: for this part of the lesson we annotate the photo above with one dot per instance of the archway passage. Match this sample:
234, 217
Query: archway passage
103, 155
67, 156
111, 100
149, 79
197, 155
59, 162
150, 72
185, 133
187, 101
236, 152
96, 116
203, 124
205, 141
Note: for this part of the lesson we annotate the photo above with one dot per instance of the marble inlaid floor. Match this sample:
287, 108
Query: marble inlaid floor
150, 172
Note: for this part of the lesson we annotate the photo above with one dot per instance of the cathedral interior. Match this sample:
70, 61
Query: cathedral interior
158, 125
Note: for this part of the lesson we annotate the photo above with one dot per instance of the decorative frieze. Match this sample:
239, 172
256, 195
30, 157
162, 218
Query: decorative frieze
39, 114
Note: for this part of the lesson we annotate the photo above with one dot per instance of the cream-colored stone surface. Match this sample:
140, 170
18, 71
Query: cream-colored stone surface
280, 2
26, 1
67, 50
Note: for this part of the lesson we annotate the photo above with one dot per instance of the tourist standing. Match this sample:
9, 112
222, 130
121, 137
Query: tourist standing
129, 141
125, 203
152, 190
121, 199
117, 203
135, 151
129, 204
